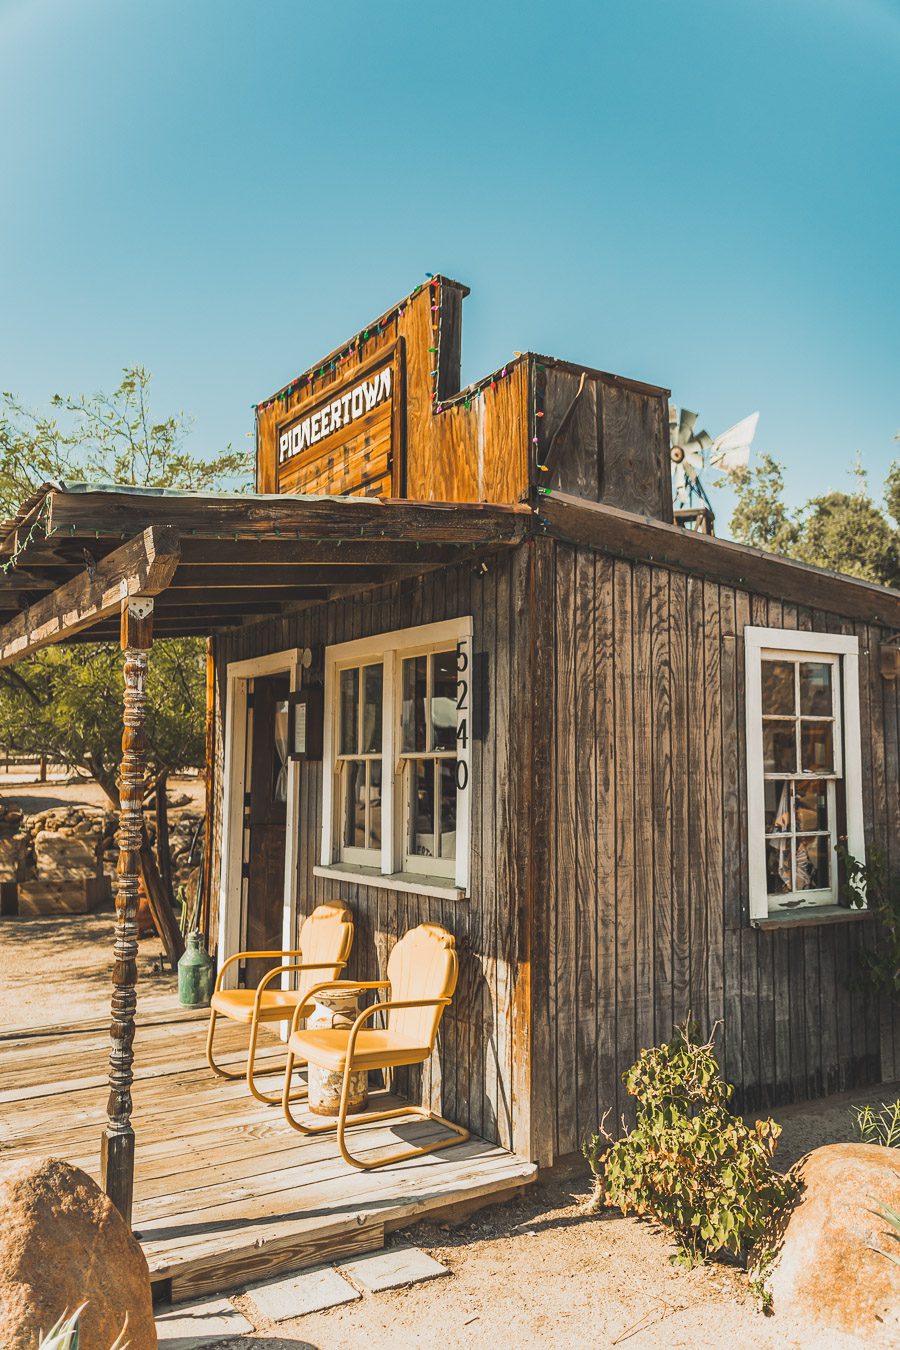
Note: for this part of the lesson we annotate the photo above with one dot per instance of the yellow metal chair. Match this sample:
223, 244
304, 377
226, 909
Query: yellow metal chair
422, 971
326, 937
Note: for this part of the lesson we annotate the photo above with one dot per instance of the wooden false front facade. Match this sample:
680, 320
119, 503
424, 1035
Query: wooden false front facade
594, 862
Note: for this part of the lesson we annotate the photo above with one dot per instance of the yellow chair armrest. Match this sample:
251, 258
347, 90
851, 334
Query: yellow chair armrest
242, 956
281, 970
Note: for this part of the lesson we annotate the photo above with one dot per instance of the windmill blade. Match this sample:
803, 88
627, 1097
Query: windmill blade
693, 460
731, 450
686, 426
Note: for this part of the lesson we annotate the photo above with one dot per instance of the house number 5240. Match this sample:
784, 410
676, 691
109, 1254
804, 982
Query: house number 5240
463, 701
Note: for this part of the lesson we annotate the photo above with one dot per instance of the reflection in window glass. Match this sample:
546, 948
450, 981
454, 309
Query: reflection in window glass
355, 804
414, 698
779, 746
816, 748
811, 805
374, 794
778, 866
778, 688
443, 701
815, 689
372, 705
349, 711
778, 805
448, 808
421, 841
811, 863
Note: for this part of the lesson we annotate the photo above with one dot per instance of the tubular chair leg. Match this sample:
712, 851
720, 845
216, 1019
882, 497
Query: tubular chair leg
297, 1096
216, 1068
458, 1134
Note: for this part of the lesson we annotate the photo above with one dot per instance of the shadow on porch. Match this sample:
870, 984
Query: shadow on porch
224, 1190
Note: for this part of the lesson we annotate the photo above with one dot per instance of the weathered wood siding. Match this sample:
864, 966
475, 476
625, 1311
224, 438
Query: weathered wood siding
476, 1076
646, 872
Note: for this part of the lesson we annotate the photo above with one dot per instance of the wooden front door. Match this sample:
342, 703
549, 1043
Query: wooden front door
265, 817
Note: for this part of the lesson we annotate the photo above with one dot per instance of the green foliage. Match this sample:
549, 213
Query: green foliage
843, 531
870, 883
689, 1163
878, 1127
892, 1219
105, 438
66, 701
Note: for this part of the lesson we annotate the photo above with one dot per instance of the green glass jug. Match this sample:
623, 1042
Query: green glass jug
195, 974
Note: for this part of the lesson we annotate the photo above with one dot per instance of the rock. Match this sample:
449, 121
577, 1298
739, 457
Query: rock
63, 1242
12, 855
830, 1271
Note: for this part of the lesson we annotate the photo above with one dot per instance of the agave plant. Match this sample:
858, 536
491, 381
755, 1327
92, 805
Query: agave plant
65, 1335
892, 1219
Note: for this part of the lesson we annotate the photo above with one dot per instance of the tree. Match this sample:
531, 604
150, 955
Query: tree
66, 701
843, 531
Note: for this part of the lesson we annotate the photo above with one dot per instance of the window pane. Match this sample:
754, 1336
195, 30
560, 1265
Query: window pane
354, 774
815, 689
373, 677
448, 808
778, 866
779, 748
374, 803
811, 863
421, 813
443, 701
778, 806
778, 687
349, 711
811, 805
816, 748
414, 694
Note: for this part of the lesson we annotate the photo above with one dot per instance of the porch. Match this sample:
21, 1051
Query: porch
224, 1191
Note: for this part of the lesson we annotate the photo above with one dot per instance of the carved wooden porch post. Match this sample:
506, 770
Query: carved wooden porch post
117, 1149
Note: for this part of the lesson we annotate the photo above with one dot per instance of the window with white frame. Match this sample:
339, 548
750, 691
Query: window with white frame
804, 782
398, 726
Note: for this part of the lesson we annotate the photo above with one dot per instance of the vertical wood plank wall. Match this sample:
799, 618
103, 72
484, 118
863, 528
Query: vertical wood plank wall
646, 911
476, 1075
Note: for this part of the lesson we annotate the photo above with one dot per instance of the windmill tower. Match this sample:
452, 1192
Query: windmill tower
693, 453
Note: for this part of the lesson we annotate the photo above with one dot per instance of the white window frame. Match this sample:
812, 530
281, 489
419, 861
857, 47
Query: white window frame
391, 649
793, 644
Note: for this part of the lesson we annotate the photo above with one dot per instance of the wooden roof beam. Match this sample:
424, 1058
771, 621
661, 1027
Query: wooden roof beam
143, 566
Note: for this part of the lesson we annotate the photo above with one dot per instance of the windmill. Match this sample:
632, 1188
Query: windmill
694, 452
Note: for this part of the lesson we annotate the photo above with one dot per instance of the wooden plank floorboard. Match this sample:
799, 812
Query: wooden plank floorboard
225, 1191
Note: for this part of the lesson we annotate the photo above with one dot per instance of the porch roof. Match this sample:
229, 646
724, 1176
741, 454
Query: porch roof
214, 559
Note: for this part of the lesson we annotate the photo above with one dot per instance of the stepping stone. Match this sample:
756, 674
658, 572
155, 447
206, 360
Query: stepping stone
391, 1268
194, 1325
305, 1292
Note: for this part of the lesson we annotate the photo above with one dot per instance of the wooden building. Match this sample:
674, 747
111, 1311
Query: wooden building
467, 669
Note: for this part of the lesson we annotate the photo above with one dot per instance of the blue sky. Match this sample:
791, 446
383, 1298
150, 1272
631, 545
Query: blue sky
702, 195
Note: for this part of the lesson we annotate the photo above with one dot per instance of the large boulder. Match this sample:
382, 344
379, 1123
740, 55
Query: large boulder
830, 1270
62, 855
63, 1243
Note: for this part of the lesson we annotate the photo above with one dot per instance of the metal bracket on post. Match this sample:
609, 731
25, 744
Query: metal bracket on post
140, 606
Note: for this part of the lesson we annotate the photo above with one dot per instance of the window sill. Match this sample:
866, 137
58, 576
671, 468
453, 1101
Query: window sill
812, 917
440, 888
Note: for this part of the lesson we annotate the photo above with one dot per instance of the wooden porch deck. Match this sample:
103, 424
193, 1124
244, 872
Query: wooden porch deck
225, 1192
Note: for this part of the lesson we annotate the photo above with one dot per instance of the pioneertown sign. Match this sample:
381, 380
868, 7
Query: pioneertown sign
337, 414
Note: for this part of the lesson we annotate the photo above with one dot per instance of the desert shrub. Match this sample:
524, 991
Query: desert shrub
878, 1127
689, 1163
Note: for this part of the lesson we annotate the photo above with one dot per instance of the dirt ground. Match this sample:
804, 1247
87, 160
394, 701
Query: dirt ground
536, 1272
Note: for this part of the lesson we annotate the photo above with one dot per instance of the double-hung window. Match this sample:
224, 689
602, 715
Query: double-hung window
804, 783
398, 727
